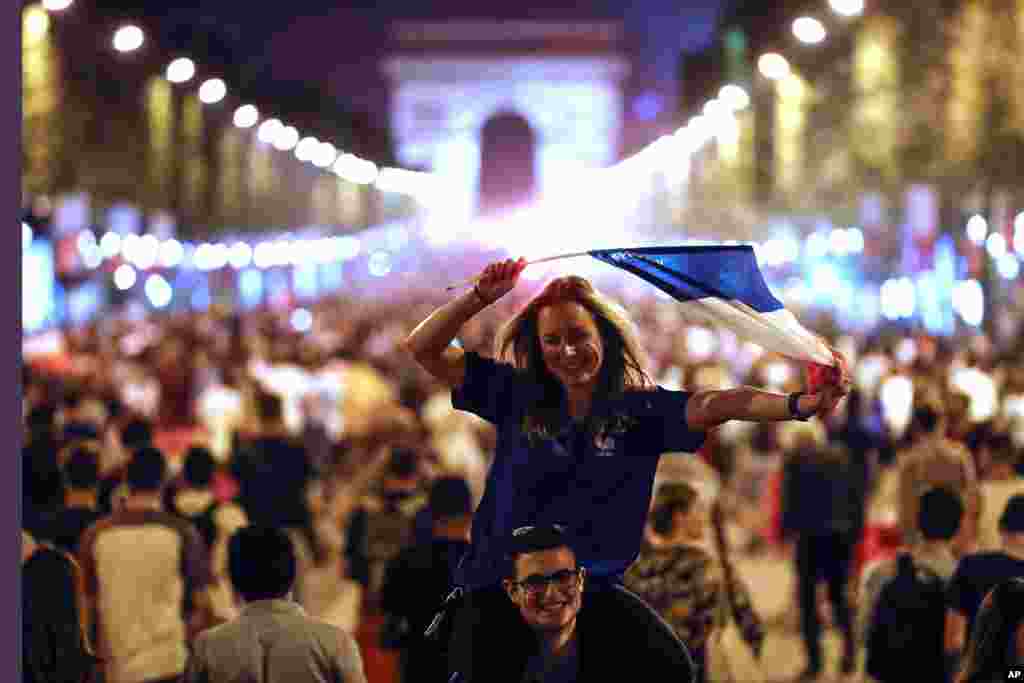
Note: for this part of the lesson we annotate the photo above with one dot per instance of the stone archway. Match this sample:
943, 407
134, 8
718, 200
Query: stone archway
440, 105
508, 164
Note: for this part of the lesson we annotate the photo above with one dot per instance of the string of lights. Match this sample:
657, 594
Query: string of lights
213, 90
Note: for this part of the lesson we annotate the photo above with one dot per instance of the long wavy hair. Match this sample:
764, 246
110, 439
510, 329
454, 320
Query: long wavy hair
518, 342
993, 645
55, 644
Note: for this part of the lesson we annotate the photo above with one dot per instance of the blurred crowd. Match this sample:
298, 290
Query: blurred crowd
313, 421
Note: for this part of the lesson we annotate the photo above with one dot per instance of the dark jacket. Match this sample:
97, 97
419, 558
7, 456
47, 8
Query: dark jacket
619, 638
415, 586
823, 492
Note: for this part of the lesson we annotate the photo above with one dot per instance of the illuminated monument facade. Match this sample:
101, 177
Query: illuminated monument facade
506, 111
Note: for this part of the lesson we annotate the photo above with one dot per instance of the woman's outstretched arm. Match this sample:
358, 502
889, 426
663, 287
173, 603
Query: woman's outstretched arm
707, 409
430, 343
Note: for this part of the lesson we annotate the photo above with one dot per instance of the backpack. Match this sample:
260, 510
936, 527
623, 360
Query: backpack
907, 624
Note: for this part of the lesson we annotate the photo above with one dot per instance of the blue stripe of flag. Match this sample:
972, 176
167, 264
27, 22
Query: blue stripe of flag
698, 272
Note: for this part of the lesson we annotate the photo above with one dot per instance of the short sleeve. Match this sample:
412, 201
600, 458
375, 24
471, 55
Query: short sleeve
489, 389
669, 409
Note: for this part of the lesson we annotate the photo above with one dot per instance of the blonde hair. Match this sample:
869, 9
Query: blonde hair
518, 342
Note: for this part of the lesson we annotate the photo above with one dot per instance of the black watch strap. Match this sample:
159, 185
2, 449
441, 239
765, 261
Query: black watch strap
794, 406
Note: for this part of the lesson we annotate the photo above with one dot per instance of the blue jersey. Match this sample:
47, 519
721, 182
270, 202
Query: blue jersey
598, 486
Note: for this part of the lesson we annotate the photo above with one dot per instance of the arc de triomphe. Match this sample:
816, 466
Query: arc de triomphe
448, 80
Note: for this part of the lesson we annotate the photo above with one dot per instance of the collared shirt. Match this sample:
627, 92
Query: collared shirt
273, 641
599, 487
143, 567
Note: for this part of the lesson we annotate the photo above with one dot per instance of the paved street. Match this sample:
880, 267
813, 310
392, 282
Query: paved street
771, 582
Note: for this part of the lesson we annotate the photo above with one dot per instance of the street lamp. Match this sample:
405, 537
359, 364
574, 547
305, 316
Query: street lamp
307, 148
977, 229
268, 130
735, 97
325, 155
56, 5
285, 138
773, 66
128, 38
212, 91
809, 30
246, 116
181, 70
36, 24
847, 8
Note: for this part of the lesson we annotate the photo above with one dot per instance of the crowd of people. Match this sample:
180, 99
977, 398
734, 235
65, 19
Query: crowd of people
189, 481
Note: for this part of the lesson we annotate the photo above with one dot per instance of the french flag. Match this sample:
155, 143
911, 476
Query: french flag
722, 285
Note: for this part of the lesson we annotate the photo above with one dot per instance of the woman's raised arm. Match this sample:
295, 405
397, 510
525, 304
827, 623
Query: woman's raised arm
430, 343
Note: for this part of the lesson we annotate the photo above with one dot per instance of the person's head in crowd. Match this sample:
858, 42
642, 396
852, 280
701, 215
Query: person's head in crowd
1011, 522
570, 337
73, 400
114, 406
1000, 456
42, 483
83, 415
261, 563
146, 471
997, 638
403, 464
199, 467
451, 506
677, 514
977, 439
723, 460
544, 581
55, 642
269, 410
802, 438
81, 472
136, 433
928, 417
402, 475
939, 514
42, 419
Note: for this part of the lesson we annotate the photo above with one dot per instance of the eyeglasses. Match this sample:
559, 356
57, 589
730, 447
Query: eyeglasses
564, 580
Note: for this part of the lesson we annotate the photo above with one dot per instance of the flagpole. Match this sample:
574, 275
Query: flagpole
473, 280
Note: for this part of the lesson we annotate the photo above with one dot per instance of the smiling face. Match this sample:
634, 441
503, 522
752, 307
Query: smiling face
571, 345
554, 606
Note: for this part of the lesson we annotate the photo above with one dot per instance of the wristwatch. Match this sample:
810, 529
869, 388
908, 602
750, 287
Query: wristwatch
794, 407
480, 297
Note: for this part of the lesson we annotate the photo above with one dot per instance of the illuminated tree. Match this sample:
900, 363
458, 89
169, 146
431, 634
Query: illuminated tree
160, 152
40, 94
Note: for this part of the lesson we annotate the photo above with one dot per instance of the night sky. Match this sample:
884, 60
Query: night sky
335, 50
